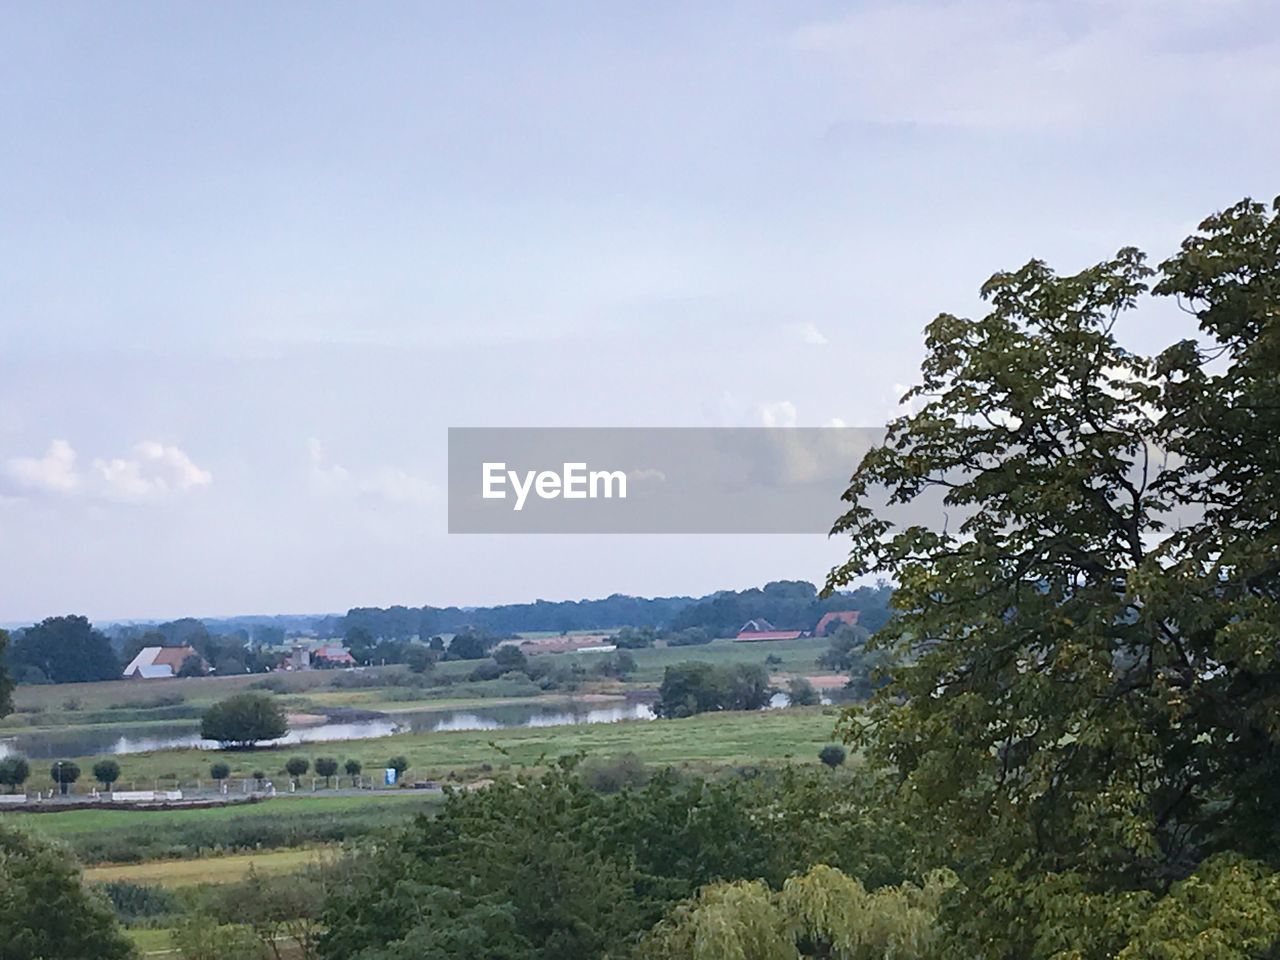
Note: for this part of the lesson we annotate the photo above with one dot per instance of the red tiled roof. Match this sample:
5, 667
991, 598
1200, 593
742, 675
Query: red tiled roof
753, 637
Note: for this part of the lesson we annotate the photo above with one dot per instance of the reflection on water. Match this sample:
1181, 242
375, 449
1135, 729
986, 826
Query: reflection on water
140, 739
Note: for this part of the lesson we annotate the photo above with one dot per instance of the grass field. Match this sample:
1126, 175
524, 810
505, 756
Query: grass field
70, 823
224, 869
138, 836
715, 739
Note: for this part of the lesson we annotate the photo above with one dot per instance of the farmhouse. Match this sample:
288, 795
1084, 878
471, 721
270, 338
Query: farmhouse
153, 663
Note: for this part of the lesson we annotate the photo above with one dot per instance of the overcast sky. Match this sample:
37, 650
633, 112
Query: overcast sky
255, 259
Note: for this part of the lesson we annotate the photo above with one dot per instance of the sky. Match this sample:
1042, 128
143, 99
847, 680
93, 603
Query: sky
255, 259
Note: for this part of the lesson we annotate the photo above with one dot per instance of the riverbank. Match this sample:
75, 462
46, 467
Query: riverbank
704, 741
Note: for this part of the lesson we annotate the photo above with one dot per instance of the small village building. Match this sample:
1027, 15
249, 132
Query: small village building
155, 663
762, 631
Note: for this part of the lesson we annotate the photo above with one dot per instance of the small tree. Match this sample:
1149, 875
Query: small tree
832, 755
509, 657
243, 720
63, 773
106, 772
419, 658
399, 765
296, 767
220, 771
260, 777
352, 767
14, 772
326, 767
800, 693
192, 666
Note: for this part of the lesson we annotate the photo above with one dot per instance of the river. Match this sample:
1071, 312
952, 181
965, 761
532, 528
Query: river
141, 738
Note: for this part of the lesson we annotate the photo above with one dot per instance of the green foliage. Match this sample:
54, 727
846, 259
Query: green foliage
14, 772
244, 719
635, 638
801, 693
6, 682
509, 657
106, 772
399, 764
64, 773
822, 913
220, 770
471, 644
557, 870
1087, 693
833, 755
134, 902
200, 937
45, 911
689, 637
696, 687
610, 776
326, 767
419, 658
277, 908
63, 650
296, 767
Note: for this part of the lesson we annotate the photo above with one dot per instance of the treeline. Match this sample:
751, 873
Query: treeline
787, 604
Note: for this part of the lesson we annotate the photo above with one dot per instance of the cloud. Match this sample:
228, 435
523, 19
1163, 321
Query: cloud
386, 483
780, 414
55, 472
154, 470
807, 333
1027, 64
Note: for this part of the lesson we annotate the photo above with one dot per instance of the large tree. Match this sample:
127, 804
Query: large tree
1093, 676
45, 910
63, 650
243, 720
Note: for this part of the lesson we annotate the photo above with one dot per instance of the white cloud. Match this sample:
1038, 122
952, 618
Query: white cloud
383, 482
807, 333
780, 414
153, 470
1025, 64
55, 472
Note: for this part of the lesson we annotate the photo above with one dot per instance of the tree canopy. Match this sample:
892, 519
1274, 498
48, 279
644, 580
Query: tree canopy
244, 719
62, 650
1091, 676
45, 911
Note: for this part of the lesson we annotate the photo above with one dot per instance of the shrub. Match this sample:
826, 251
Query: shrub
833, 755
800, 693
296, 767
326, 767
106, 772
14, 772
220, 771
136, 901
610, 776
64, 772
